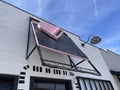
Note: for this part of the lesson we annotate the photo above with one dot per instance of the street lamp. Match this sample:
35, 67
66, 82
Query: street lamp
93, 40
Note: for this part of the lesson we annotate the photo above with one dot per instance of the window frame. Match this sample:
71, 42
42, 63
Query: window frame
94, 80
68, 83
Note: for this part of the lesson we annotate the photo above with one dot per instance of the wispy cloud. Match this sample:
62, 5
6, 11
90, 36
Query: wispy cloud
110, 40
82, 17
41, 7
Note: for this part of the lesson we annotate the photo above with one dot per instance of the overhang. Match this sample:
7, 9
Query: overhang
63, 45
115, 72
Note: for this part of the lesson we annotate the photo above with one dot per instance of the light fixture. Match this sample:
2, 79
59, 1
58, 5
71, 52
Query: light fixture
93, 40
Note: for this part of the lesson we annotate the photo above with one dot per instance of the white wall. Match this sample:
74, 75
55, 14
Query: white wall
113, 62
13, 41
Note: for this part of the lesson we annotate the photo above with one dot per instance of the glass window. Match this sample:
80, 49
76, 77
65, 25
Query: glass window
94, 84
82, 83
87, 84
102, 85
6, 85
98, 85
110, 86
44, 86
49, 84
60, 87
106, 86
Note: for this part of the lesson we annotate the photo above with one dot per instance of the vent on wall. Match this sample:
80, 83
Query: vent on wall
22, 77
64, 72
26, 67
37, 69
48, 70
71, 73
55, 71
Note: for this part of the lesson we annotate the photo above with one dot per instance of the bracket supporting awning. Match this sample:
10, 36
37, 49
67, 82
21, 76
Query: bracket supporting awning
49, 63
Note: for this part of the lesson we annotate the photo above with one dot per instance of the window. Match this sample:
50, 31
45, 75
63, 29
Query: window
8, 82
94, 84
49, 84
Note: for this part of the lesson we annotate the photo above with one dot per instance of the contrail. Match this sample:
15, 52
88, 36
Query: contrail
96, 11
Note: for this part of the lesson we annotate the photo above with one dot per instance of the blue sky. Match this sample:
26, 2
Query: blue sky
81, 17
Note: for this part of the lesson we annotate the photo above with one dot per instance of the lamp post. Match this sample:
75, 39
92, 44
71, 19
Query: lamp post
93, 40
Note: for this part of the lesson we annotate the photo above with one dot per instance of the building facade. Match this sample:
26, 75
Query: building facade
27, 64
113, 62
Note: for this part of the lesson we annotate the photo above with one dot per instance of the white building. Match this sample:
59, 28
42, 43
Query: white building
113, 62
47, 67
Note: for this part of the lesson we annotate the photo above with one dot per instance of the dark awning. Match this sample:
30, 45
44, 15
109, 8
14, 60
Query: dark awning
115, 72
63, 45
